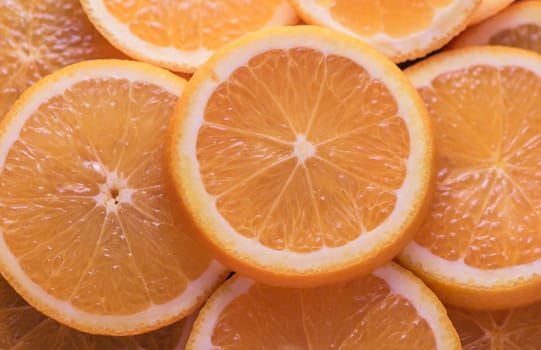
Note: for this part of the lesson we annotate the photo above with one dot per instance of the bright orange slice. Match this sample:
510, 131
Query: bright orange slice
480, 245
519, 25
87, 234
518, 328
488, 8
24, 328
388, 309
39, 37
181, 35
303, 155
402, 30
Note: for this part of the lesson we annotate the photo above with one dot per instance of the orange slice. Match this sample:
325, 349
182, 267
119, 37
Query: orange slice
488, 8
87, 234
23, 327
402, 30
518, 328
480, 245
388, 309
303, 155
181, 35
39, 37
519, 25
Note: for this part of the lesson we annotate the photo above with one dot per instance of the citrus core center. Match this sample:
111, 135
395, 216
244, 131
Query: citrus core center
303, 149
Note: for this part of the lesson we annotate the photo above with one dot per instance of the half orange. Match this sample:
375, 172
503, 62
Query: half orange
303, 155
388, 309
479, 246
39, 37
181, 35
87, 233
402, 30
519, 25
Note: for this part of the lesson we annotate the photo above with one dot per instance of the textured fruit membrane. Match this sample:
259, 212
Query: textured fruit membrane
361, 314
518, 328
83, 205
24, 328
486, 209
307, 158
39, 37
525, 36
396, 18
192, 24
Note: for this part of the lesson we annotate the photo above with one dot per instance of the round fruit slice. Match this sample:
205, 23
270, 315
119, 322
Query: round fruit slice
388, 309
519, 25
181, 35
518, 328
22, 327
87, 234
39, 37
479, 246
488, 8
402, 30
303, 155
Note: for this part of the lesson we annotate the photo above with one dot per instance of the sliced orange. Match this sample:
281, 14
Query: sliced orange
518, 328
519, 25
388, 309
480, 245
488, 8
303, 155
87, 234
181, 35
24, 328
402, 30
39, 37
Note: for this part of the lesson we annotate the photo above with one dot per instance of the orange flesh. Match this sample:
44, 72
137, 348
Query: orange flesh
507, 329
39, 37
394, 18
82, 152
486, 208
22, 327
302, 169
362, 314
192, 24
526, 36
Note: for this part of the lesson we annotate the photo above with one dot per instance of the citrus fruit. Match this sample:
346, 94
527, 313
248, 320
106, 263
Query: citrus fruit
488, 8
87, 233
518, 328
39, 37
479, 246
402, 30
181, 35
519, 25
303, 156
24, 328
388, 309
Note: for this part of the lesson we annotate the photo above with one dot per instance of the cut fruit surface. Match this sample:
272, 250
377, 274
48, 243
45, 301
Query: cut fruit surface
388, 309
87, 233
39, 37
519, 25
24, 328
181, 35
488, 8
303, 155
402, 30
518, 328
479, 246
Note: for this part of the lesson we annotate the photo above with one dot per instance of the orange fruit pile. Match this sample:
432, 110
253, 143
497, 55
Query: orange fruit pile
353, 203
